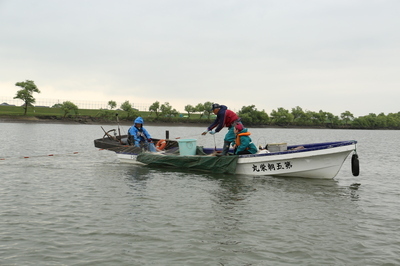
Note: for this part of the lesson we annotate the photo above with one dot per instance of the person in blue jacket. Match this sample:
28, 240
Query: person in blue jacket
243, 143
139, 136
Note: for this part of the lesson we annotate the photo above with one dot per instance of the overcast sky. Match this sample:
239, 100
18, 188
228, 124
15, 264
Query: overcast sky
330, 55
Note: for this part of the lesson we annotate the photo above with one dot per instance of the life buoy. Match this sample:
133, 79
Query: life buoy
161, 144
355, 165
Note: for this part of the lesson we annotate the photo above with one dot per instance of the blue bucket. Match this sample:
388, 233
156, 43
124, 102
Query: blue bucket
187, 146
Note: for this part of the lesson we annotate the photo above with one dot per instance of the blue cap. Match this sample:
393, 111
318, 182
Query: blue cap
215, 106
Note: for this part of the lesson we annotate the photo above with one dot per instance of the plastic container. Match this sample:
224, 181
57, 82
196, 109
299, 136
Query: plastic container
187, 147
277, 147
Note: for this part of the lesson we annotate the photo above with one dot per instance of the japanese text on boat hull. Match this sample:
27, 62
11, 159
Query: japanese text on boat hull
272, 167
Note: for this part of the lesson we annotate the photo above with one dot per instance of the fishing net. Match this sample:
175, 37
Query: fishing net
200, 162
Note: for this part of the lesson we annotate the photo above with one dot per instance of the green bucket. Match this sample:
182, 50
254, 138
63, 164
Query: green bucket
187, 147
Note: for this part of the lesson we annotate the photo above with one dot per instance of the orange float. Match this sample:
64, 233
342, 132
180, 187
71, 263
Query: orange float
161, 144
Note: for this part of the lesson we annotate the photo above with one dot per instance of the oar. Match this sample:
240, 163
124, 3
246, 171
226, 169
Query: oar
119, 131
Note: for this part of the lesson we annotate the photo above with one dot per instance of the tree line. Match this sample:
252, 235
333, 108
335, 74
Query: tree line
301, 118
296, 117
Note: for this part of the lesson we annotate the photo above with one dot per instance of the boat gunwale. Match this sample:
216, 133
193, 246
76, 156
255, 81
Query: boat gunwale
307, 148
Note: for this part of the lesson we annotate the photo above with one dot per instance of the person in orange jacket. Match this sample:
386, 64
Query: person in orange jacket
243, 143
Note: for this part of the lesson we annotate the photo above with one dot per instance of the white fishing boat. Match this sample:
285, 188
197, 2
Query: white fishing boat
318, 160
315, 160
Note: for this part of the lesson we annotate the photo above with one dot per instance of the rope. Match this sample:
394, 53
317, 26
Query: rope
38, 156
123, 149
215, 144
258, 142
188, 137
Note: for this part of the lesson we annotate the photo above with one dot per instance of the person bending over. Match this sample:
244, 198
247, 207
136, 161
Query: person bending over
225, 118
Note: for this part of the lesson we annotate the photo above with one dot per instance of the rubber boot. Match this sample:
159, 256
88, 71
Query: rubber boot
225, 149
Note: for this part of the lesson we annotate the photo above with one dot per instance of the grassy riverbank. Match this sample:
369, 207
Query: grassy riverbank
43, 111
104, 117
93, 116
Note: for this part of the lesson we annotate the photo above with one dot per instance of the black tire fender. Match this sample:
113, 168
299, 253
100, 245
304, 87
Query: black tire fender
355, 165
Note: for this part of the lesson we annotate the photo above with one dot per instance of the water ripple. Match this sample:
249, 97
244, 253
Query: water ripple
86, 208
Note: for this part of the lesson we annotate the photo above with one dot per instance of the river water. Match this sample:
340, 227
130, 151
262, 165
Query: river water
72, 204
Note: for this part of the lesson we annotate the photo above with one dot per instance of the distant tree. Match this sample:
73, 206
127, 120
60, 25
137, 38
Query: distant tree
190, 109
281, 116
381, 121
297, 113
250, 114
166, 110
69, 107
360, 122
200, 109
57, 105
262, 117
207, 109
25, 94
346, 117
300, 117
313, 116
127, 107
368, 121
393, 120
155, 107
373, 121
322, 117
332, 119
112, 104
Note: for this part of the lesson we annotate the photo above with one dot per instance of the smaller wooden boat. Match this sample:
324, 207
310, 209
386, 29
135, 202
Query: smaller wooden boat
119, 143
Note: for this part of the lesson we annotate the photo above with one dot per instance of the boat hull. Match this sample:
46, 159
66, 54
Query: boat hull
128, 158
315, 160
321, 164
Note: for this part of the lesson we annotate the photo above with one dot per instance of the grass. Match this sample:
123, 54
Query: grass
41, 111
93, 113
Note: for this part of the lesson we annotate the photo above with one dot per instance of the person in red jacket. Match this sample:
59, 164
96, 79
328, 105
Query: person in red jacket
225, 118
